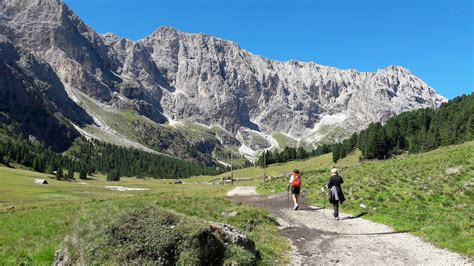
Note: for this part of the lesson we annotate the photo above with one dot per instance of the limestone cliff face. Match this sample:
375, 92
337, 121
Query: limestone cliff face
215, 81
172, 77
33, 101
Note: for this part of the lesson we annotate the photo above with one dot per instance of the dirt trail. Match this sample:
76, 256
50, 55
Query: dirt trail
318, 239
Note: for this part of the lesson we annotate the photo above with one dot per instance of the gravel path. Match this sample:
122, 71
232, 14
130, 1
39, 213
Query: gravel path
242, 191
318, 239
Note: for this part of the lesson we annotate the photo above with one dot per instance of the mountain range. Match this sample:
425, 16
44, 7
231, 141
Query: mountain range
192, 96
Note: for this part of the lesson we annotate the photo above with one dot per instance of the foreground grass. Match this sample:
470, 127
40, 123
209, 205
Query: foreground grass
44, 214
31, 237
415, 193
195, 210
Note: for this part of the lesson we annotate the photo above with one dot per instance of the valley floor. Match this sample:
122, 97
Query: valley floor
429, 194
318, 239
36, 219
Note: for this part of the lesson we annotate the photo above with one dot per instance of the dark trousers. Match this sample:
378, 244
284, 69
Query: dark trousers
335, 204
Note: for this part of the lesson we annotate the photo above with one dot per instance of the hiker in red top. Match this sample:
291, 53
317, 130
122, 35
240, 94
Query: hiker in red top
295, 183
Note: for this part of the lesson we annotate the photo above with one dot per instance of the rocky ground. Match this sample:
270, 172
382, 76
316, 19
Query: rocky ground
318, 239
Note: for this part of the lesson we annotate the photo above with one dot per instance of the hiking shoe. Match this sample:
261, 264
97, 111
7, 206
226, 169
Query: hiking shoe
296, 207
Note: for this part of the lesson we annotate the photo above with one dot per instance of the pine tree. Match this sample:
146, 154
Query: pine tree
260, 160
70, 173
380, 142
286, 154
114, 176
50, 169
37, 165
82, 174
59, 174
470, 128
301, 153
269, 157
369, 144
335, 152
277, 157
342, 151
292, 153
353, 141
392, 132
414, 144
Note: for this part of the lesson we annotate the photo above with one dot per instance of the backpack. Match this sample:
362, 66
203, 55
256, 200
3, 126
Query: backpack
296, 180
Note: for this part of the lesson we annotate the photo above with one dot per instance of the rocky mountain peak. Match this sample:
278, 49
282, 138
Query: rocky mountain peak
172, 77
164, 31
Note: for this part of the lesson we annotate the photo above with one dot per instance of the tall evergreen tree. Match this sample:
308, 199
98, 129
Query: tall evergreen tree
336, 152
301, 153
380, 142
50, 169
36, 166
114, 175
59, 174
70, 173
82, 174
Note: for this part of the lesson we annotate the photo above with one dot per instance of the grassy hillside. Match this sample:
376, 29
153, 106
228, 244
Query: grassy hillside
284, 140
44, 214
430, 194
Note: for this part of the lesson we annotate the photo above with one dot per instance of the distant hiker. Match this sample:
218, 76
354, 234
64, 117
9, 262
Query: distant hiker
335, 194
295, 184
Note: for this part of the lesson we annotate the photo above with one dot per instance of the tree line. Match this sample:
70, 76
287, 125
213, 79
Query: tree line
290, 153
415, 131
88, 157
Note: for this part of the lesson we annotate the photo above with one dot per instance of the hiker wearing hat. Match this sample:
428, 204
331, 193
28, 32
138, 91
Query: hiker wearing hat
335, 194
295, 184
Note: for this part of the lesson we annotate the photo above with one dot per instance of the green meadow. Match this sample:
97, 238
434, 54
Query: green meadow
35, 219
428, 194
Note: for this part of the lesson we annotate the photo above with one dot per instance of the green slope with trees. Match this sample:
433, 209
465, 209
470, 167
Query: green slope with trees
416, 131
89, 157
289, 154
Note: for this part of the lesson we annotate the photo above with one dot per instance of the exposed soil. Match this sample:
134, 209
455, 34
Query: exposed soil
317, 238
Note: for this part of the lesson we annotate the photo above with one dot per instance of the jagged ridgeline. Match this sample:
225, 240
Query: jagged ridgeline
192, 96
416, 131
88, 157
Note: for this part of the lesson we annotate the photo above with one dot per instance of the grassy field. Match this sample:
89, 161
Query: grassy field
430, 194
284, 140
427, 194
44, 214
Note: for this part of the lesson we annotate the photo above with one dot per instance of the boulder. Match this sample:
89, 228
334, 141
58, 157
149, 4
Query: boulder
231, 235
454, 170
228, 214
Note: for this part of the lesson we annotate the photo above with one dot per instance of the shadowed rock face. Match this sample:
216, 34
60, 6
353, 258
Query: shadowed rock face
33, 100
199, 78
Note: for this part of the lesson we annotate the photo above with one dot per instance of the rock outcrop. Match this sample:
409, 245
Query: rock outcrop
173, 77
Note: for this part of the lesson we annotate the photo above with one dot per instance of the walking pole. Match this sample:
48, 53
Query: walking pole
326, 198
288, 195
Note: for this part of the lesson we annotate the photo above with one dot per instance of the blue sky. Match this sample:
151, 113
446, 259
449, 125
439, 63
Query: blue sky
432, 38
